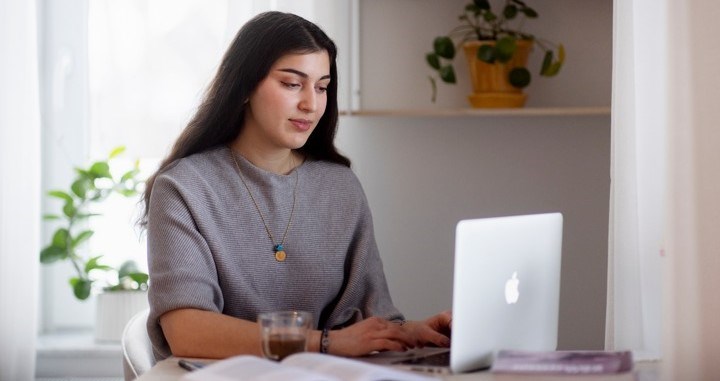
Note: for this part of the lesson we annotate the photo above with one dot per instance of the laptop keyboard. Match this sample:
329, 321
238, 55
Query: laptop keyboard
436, 359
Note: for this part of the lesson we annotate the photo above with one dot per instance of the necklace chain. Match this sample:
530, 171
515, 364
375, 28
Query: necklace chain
279, 249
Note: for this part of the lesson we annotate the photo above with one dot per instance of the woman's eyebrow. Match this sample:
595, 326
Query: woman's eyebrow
301, 74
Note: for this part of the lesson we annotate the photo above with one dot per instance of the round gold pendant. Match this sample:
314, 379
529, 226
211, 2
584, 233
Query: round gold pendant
280, 255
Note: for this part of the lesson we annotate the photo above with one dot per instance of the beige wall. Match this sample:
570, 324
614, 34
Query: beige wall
422, 175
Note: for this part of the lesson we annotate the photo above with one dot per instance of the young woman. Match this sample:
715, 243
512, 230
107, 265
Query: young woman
254, 210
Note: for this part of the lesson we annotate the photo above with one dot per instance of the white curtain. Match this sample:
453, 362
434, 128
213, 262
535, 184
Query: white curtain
637, 210
19, 188
666, 186
692, 303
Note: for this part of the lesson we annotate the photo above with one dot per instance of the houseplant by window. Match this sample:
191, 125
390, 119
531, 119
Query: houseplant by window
90, 187
497, 51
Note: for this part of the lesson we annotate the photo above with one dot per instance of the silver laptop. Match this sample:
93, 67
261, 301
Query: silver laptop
506, 291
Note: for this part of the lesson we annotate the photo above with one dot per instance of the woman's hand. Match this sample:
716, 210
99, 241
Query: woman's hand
434, 331
370, 335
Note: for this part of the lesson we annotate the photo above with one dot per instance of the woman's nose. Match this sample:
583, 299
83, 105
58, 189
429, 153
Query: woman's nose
308, 101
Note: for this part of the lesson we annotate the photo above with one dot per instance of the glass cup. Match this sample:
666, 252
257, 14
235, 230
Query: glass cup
284, 333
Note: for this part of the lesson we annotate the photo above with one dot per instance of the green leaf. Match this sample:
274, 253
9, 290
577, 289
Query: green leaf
129, 175
433, 60
128, 192
505, 48
510, 12
530, 13
100, 169
61, 195
80, 187
519, 77
447, 74
554, 69
139, 277
561, 53
84, 174
444, 47
82, 216
52, 254
482, 4
486, 53
128, 267
489, 16
81, 287
551, 67
69, 209
117, 151
50, 217
60, 238
547, 62
82, 237
92, 264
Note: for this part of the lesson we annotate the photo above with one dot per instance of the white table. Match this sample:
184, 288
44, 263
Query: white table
169, 370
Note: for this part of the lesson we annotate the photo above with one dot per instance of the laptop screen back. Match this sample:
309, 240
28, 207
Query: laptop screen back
506, 287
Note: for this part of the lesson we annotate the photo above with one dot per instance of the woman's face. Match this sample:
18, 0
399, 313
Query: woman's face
287, 105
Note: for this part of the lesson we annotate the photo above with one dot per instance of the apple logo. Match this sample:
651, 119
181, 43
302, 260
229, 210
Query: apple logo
512, 293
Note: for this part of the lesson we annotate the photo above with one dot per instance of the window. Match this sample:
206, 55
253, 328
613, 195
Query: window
132, 73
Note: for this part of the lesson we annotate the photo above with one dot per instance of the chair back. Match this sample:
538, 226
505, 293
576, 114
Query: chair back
137, 349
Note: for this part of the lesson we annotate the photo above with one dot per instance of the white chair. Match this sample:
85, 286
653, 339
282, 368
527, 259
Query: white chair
137, 350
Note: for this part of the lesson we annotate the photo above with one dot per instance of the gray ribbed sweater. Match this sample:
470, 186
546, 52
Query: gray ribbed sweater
208, 248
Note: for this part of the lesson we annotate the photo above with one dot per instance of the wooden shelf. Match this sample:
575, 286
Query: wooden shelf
518, 112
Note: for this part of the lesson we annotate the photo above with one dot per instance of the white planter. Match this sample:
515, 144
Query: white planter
114, 310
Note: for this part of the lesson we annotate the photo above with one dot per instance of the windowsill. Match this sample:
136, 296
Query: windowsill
75, 353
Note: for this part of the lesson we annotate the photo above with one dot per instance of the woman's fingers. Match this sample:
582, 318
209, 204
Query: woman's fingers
377, 334
436, 338
425, 333
369, 335
385, 334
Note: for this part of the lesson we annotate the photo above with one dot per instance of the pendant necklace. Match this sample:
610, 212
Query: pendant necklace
279, 249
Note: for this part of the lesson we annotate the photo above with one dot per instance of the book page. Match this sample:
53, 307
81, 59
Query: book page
251, 368
350, 370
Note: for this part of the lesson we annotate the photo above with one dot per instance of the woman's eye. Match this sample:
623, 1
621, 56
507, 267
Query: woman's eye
322, 89
291, 85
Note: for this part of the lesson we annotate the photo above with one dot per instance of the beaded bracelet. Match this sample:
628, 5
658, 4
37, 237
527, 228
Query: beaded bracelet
324, 341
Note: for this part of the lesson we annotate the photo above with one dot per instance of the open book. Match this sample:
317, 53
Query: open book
303, 366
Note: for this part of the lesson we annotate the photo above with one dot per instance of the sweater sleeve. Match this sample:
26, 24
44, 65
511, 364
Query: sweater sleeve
183, 273
365, 292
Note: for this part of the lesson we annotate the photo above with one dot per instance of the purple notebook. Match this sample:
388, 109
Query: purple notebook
562, 362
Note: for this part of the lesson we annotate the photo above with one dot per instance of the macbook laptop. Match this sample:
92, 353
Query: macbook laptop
506, 292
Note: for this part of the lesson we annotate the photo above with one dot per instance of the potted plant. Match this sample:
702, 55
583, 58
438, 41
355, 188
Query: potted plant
496, 53
90, 187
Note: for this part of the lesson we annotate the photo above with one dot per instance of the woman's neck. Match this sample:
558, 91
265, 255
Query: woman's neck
281, 161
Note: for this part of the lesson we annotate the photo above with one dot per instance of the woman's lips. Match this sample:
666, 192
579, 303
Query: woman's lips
301, 124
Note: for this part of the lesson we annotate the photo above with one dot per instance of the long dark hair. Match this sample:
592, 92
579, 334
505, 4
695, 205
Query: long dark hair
258, 44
